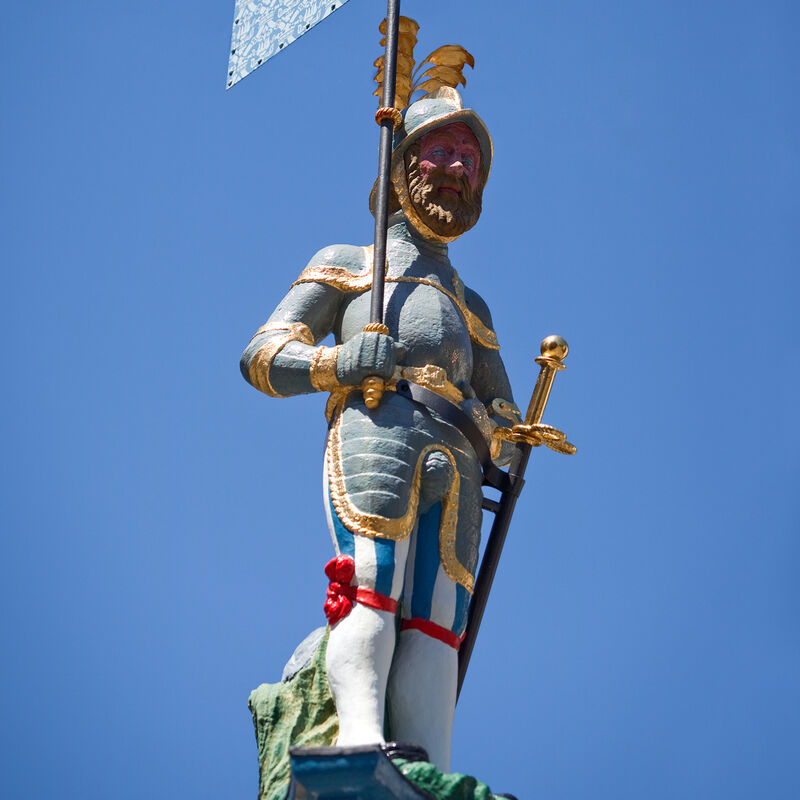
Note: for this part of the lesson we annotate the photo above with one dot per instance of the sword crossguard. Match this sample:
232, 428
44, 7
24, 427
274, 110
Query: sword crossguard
532, 431
536, 435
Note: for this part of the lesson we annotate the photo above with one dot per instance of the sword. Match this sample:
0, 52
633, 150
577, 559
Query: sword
531, 433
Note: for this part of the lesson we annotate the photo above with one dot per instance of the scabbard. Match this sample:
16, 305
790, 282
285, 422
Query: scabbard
491, 557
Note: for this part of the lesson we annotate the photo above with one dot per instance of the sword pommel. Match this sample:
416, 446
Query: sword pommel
554, 347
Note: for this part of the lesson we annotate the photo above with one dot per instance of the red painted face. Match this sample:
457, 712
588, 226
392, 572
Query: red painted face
456, 151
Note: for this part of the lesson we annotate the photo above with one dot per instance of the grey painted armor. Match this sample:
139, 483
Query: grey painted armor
379, 481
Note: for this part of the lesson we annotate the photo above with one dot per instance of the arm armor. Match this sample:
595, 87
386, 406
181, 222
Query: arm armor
283, 357
490, 382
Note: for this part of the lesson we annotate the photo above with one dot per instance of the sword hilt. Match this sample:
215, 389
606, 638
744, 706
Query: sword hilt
532, 431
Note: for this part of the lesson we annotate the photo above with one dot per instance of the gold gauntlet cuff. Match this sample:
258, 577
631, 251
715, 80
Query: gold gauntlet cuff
323, 369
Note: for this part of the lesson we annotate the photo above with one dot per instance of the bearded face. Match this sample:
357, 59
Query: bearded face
443, 175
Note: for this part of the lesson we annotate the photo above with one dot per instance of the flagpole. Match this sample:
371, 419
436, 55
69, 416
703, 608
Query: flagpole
373, 386
384, 161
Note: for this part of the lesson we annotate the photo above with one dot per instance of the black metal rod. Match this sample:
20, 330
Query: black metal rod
384, 162
491, 558
490, 505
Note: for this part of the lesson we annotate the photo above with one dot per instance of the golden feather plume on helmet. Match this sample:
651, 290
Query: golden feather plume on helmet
443, 67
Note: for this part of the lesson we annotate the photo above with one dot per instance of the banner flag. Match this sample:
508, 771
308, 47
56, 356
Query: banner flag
262, 28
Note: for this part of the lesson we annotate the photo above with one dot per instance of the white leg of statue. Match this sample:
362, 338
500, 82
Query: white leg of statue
422, 694
358, 660
361, 645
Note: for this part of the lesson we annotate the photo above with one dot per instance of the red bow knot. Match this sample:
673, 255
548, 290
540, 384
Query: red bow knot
341, 569
339, 602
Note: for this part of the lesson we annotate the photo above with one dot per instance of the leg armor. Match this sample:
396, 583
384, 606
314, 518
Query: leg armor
403, 497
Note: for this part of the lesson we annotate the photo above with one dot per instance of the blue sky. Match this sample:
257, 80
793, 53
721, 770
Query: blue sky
164, 533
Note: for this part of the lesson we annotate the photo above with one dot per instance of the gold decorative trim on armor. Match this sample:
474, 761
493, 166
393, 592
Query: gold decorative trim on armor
379, 527
261, 362
346, 281
431, 377
338, 277
323, 369
482, 334
448, 528
300, 330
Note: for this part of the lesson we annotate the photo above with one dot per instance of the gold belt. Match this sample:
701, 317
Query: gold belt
430, 376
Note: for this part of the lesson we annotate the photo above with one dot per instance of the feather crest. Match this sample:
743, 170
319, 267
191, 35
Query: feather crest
449, 55
443, 67
448, 75
407, 25
405, 64
406, 41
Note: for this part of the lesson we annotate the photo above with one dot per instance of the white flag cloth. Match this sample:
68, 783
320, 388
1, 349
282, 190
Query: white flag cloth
262, 28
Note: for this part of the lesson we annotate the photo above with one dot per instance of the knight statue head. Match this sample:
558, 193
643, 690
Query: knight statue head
442, 152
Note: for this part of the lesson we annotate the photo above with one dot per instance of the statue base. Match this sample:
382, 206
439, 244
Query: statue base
296, 725
348, 773
367, 773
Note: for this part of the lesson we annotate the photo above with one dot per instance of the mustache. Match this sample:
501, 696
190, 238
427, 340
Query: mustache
439, 179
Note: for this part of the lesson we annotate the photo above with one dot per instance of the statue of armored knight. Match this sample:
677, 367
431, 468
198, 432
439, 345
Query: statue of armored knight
403, 484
